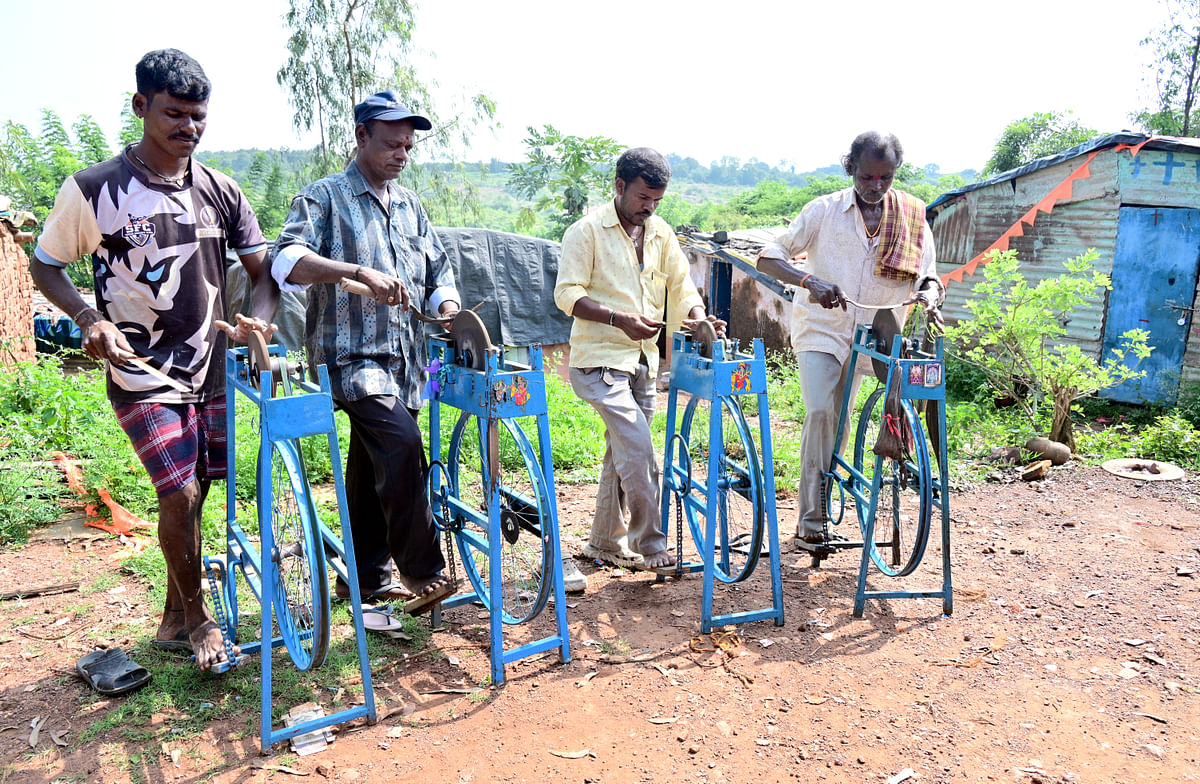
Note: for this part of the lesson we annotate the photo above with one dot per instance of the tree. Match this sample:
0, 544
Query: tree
568, 168
131, 124
341, 51
32, 168
1176, 70
1030, 138
1015, 337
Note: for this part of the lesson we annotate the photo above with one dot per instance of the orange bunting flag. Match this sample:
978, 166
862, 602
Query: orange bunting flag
1046, 204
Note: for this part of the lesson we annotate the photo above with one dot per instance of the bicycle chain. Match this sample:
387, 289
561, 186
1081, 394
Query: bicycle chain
446, 532
219, 611
679, 531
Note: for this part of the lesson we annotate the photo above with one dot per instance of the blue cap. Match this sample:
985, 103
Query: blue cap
386, 106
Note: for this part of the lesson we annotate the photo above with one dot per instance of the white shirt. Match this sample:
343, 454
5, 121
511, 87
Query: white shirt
831, 231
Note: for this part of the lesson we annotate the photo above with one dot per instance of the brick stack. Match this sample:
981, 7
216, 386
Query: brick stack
16, 301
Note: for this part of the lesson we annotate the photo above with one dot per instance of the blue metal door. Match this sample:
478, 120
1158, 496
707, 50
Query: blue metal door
1154, 285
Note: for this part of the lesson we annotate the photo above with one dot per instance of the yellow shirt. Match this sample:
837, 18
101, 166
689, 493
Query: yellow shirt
599, 261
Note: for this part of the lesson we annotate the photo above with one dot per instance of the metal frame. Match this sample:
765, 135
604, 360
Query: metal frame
282, 419
488, 395
898, 372
713, 379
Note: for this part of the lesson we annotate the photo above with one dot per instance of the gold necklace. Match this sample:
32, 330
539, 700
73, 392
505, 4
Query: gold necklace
178, 181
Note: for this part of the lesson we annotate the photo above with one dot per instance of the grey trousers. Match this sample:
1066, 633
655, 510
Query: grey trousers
822, 382
629, 478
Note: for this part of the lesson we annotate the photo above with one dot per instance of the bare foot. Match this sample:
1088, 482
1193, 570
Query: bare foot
172, 627
428, 590
208, 645
663, 559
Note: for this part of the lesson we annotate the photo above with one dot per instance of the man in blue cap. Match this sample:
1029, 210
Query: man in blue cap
360, 224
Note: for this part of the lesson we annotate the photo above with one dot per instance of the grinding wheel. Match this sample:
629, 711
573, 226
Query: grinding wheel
261, 360
704, 335
471, 341
884, 327
471, 347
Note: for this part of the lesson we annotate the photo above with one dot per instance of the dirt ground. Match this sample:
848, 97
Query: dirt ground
1072, 655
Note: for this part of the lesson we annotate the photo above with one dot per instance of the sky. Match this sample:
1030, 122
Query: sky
783, 83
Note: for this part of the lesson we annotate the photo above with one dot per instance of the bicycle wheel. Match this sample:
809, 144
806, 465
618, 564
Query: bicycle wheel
901, 488
524, 547
738, 488
296, 564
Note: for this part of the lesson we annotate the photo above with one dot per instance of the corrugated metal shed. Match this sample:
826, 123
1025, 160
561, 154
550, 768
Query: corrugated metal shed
1164, 173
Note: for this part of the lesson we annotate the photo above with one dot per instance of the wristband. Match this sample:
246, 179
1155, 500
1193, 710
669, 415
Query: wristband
85, 309
356, 271
806, 277
612, 315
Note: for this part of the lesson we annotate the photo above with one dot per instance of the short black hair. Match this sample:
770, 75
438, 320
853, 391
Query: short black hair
875, 144
173, 71
646, 163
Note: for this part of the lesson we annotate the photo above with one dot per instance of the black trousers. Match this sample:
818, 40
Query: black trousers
385, 489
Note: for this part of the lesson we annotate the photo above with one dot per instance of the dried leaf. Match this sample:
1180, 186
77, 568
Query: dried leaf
571, 754
395, 732
812, 698
663, 720
37, 724
58, 737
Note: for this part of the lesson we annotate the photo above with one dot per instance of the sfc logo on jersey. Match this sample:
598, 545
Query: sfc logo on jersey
138, 231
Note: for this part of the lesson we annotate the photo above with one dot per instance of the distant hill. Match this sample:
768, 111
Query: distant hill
729, 171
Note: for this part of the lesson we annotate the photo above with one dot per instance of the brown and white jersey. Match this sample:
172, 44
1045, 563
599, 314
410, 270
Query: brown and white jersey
158, 262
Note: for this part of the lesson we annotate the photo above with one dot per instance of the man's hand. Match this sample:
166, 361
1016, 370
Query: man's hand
102, 340
718, 324
241, 333
388, 289
636, 326
828, 295
927, 298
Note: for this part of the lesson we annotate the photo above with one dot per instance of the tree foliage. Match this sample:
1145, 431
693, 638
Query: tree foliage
567, 170
339, 52
1015, 336
1176, 73
1030, 138
33, 166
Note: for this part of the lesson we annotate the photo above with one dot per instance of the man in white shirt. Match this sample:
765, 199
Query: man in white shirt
869, 244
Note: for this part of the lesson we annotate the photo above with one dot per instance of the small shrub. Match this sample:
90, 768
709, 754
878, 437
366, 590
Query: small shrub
1171, 439
1017, 332
1188, 402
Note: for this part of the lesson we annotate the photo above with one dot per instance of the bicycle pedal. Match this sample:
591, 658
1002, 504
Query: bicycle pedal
225, 666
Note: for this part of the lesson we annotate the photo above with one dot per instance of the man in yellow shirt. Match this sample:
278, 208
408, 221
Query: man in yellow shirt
620, 267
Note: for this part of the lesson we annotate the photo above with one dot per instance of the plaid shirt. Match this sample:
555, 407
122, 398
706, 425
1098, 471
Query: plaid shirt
369, 349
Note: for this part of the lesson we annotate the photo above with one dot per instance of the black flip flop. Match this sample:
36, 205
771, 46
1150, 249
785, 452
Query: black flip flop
111, 673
